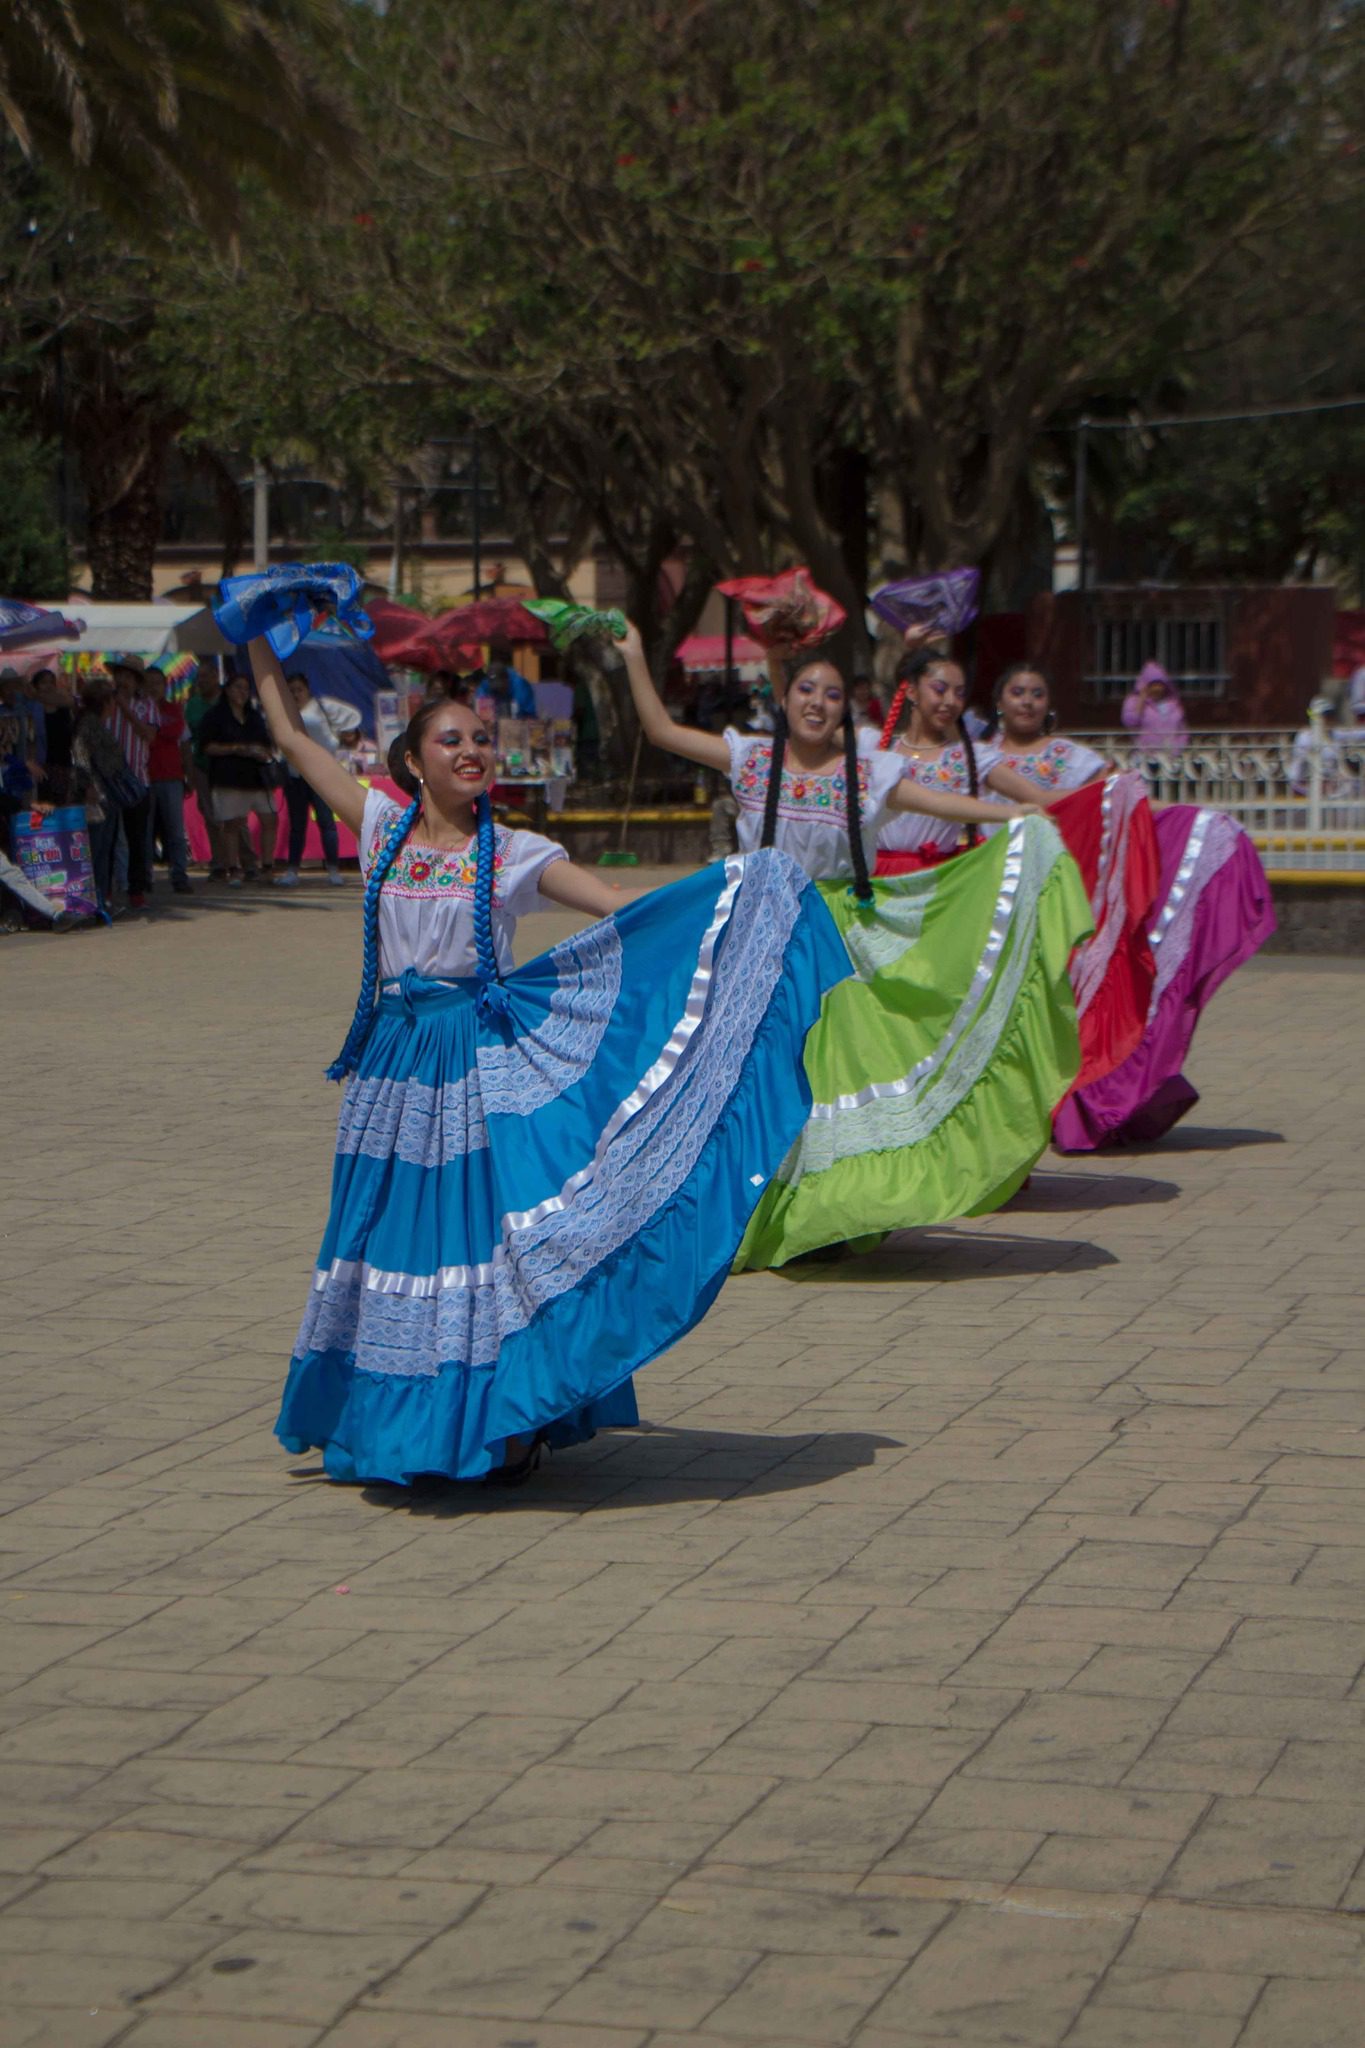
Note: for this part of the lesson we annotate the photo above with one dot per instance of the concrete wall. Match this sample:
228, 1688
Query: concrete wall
1320, 917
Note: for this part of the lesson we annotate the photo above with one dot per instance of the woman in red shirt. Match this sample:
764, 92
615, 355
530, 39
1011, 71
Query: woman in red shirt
166, 780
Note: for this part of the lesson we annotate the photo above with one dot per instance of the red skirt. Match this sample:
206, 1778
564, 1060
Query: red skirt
1107, 829
891, 862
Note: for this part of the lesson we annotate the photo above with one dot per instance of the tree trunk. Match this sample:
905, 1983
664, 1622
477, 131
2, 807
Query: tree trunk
123, 447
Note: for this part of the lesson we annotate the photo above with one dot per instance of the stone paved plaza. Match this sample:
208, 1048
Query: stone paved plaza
970, 1651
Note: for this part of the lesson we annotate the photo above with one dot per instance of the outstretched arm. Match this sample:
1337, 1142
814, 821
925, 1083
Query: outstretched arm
708, 749
576, 889
958, 810
322, 772
1010, 783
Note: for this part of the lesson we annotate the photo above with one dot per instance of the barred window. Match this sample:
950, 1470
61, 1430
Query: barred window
1192, 650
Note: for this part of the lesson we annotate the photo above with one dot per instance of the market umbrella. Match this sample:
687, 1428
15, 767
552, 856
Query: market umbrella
22, 623
397, 629
494, 618
458, 635
338, 665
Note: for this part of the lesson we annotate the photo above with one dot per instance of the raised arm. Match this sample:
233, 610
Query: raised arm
322, 772
958, 810
708, 749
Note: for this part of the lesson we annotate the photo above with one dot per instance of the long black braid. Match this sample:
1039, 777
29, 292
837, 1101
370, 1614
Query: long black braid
862, 886
973, 777
774, 790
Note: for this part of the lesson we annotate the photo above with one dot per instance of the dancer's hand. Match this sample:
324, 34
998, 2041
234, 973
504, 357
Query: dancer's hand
631, 643
922, 634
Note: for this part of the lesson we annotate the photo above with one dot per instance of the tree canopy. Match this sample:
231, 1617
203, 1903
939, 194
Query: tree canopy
797, 279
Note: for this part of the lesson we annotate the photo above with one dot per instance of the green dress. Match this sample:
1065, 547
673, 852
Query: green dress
935, 1069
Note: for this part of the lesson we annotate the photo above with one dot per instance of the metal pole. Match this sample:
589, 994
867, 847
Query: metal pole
260, 518
729, 653
1082, 459
476, 467
396, 565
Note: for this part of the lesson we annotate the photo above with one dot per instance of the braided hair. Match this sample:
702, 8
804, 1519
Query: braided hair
492, 996
775, 761
862, 886
909, 670
347, 1059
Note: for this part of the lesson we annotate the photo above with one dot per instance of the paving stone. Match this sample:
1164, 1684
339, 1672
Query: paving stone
993, 1977
515, 1954
970, 1652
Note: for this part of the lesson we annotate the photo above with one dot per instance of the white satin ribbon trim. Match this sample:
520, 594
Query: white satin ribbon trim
909, 1084
378, 1280
1211, 844
1189, 860
889, 1115
1122, 795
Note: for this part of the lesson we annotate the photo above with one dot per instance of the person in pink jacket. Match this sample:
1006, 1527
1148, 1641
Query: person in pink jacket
1152, 709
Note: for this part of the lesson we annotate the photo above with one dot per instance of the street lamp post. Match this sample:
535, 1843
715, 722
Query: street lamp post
1082, 465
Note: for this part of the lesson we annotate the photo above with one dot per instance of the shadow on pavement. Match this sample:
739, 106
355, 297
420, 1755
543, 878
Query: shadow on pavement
1056, 1192
948, 1255
656, 1465
1199, 1138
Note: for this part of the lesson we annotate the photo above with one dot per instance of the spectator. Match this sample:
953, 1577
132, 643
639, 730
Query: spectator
98, 764
131, 719
328, 724
867, 707
1153, 711
207, 692
167, 777
1331, 726
59, 723
19, 701
19, 773
443, 683
235, 743
512, 695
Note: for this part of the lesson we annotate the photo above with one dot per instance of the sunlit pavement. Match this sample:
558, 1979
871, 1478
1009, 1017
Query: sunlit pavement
970, 1651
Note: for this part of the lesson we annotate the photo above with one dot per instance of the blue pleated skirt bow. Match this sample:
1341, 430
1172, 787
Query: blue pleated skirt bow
527, 1209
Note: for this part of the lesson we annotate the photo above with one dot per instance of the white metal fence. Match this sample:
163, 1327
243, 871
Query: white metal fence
1301, 796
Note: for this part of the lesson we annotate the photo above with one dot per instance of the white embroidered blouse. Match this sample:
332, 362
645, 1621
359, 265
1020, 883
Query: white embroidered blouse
947, 771
1058, 765
812, 810
426, 907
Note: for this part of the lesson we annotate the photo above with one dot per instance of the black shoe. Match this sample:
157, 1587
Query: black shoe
520, 1470
182, 885
67, 921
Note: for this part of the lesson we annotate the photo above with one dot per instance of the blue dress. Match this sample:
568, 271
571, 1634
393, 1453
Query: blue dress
529, 1206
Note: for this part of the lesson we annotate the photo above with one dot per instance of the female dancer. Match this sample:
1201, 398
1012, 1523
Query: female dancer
542, 1174
1026, 737
1180, 901
1106, 823
935, 1070
1209, 909
935, 752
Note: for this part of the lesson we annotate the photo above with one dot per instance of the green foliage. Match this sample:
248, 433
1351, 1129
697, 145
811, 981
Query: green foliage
685, 258
33, 557
155, 110
1261, 501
